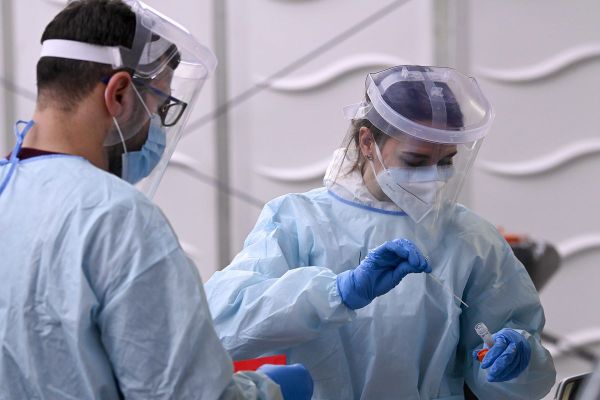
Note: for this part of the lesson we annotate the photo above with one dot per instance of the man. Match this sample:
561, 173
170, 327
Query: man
97, 298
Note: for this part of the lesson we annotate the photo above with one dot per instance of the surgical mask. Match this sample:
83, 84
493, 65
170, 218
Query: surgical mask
414, 189
136, 165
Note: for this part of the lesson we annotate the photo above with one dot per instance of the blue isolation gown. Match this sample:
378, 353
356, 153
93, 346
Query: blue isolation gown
279, 295
97, 298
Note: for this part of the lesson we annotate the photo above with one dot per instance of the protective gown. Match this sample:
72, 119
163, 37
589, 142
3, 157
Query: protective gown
279, 295
97, 298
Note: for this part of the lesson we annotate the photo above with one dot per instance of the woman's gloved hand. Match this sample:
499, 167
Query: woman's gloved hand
508, 357
294, 380
382, 269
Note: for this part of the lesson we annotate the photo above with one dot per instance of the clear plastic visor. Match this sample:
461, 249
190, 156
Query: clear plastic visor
413, 161
182, 88
450, 106
159, 41
169, 95
422, 178
409, 159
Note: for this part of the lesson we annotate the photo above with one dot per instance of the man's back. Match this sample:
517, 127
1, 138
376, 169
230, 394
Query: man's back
89, 267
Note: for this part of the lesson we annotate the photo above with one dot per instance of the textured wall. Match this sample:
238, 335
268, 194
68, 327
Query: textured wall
538, 171
281, 137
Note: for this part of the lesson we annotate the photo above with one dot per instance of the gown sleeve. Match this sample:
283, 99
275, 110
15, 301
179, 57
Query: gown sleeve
501, 295
269, 297
153, 319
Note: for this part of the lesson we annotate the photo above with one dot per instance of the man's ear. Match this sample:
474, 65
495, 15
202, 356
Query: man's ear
365, 141
115, 94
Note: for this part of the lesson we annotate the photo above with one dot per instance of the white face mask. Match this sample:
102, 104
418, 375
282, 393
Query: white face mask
414, 189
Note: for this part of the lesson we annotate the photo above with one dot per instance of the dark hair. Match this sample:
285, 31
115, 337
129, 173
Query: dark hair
410, 99
101, 22
354, 139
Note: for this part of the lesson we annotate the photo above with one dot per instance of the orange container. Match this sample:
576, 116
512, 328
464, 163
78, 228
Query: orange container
481, 353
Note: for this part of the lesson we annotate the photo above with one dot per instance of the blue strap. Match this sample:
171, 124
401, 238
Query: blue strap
364, 206
14, 156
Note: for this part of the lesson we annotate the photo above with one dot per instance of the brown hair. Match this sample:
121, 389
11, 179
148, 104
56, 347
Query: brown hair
353, 139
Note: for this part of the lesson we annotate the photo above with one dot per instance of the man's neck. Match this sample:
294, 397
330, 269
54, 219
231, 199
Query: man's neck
67, 132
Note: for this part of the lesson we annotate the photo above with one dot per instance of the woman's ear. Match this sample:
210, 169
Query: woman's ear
115, 93
365, 140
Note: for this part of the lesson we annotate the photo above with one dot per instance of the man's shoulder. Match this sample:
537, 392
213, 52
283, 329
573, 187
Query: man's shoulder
91, 193
102, 189
109, 206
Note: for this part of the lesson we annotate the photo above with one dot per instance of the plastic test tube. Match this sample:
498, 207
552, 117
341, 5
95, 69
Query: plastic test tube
484, 334
487, 338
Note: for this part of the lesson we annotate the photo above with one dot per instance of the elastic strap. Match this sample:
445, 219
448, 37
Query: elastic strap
82, 51
14, 156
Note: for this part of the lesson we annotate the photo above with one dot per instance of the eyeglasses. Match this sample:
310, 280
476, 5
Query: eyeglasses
171, 110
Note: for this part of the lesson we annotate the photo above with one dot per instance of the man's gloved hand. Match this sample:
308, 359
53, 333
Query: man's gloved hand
382, 269
508, 357
294, 380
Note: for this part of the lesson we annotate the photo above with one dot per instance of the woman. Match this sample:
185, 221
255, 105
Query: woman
294, 288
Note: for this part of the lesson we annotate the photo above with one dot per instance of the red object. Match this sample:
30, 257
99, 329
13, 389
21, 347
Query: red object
481, 353
512, 238
30, 152
254, 363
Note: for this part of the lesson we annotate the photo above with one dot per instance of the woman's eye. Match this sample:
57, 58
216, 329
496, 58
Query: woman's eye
446, 162
414, 163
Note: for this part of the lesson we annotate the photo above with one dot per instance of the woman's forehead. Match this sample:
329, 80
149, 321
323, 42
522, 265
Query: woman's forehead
410, 144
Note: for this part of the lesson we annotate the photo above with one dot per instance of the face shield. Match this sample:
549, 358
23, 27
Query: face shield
168, 68
418, 132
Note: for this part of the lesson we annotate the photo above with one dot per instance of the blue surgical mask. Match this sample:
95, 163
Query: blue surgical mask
139, 164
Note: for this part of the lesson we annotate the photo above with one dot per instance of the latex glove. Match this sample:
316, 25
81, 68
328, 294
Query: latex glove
508, 357
382, 269
294, 380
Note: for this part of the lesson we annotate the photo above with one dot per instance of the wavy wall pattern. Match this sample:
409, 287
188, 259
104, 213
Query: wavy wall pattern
578, 244
302, 174
185, 163
541, 165
332, 72
60, 3
580, 339
545, 163
192, 251
543, 69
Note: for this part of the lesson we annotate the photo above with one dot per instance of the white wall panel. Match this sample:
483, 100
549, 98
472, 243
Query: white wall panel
187, 197
538, 170
283, 138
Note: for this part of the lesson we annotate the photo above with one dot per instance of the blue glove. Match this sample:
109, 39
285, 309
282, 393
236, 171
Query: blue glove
508, 357
294, 380
382, 269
